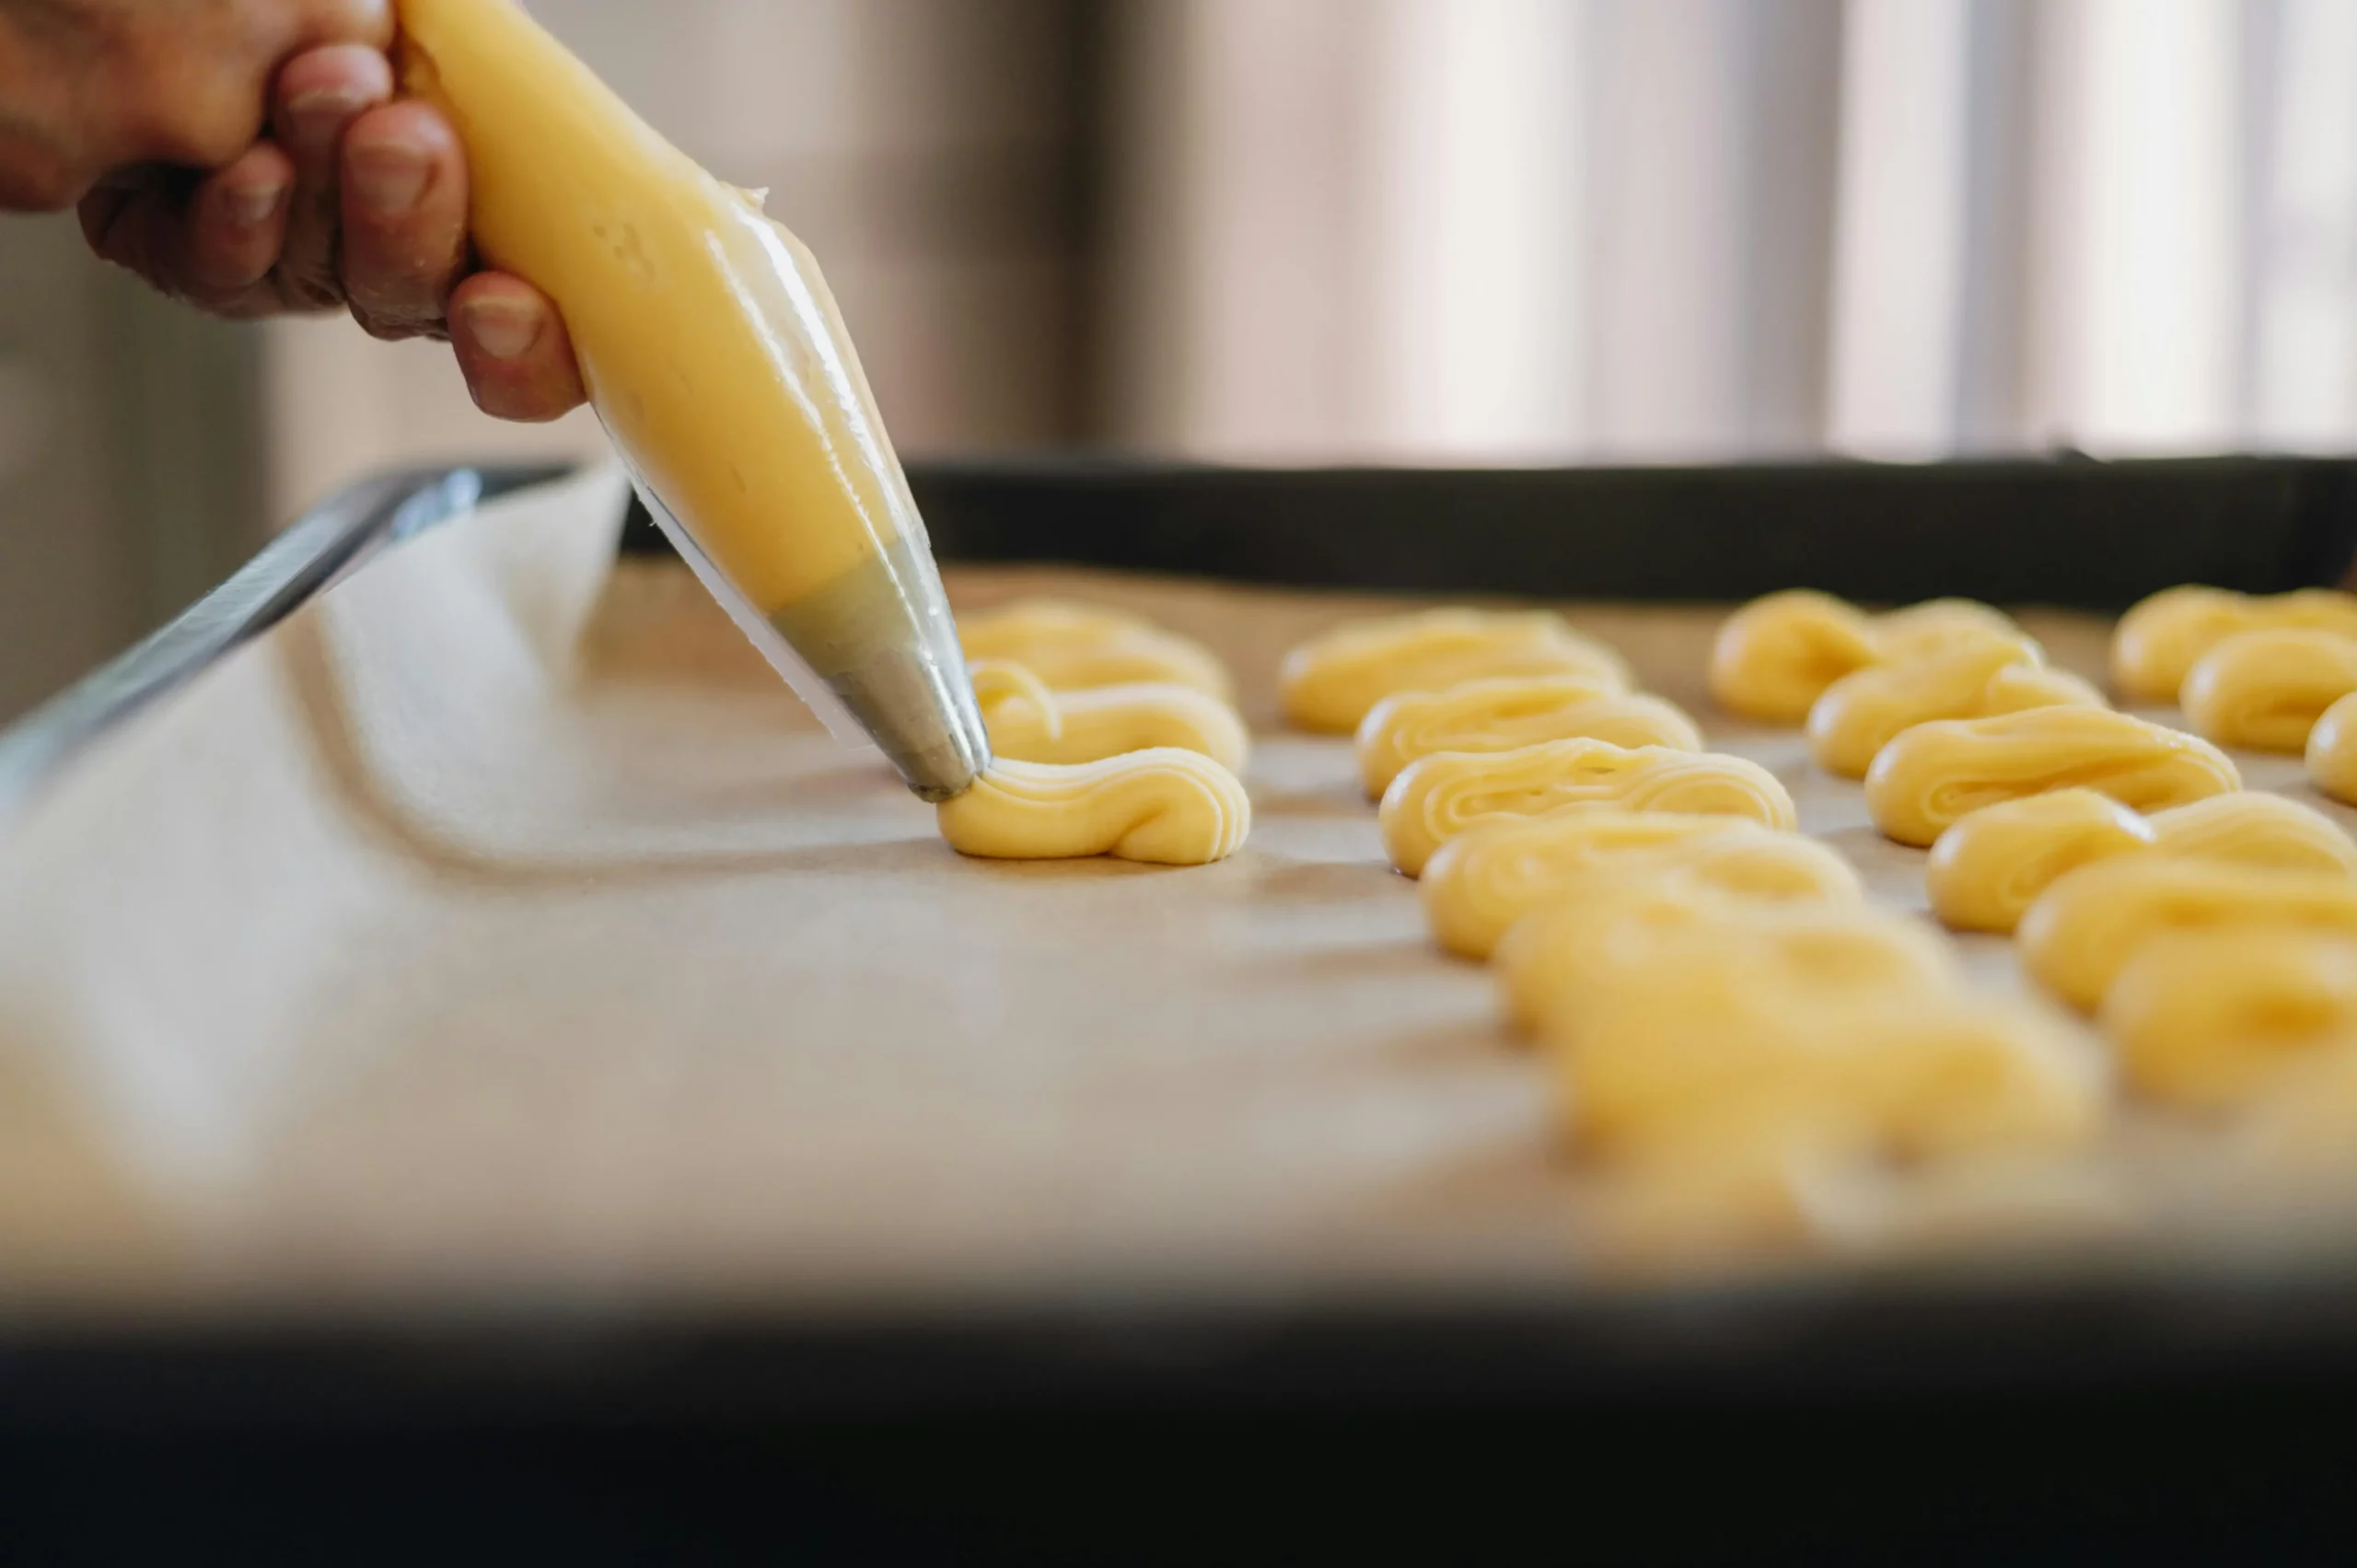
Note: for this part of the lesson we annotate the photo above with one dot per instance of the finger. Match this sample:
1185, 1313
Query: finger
232, 229
319, 94
514, 349
404, 218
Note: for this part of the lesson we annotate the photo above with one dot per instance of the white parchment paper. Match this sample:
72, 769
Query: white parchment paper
499, 923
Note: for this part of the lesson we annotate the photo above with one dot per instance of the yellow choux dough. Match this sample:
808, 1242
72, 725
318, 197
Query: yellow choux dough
1481, 882
1932, 775
2255, 829
1435, 798
2332, 751
1028, 723
1553, 960
1915, 630
1503, 715
1773, 657
2208, 1018
1169, 807
2265, 689
1987, 870
1977, 674
1072, 648
1910, 1076
2157, 643
1712, 1036
1333, 679
2087, 927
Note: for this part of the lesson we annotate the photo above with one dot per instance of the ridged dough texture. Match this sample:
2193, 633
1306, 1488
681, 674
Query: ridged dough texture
1072, 647
1554, 959
1503, 715
1932, 775
1477, 884
2087, 927
1437, 798
1978, 674
1820, 1029
2332, 751
1029, 723
1332, 680
1987, 870
2156, 644
1167, 806
2265, 691
1775, 656
2208, 1018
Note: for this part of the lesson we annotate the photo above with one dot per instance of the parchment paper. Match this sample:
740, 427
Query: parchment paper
499, 923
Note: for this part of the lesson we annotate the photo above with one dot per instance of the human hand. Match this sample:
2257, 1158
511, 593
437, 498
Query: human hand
250, 158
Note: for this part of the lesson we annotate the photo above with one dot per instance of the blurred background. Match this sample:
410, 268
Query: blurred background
1486, 231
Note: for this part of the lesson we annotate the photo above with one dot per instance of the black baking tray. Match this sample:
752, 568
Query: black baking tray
2039, 1415
2062, 530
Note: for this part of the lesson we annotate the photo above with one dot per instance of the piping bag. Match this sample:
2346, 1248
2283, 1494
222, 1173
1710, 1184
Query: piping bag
715, 358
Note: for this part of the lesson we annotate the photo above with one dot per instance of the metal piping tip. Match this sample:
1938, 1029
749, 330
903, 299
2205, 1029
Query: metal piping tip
882, 640
922, 715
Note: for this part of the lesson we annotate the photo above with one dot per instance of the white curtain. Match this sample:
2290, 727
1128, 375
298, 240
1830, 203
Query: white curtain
1513, 230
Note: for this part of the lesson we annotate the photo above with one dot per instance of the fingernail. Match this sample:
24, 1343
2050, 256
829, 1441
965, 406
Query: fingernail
252, 205
503, 328
388, 177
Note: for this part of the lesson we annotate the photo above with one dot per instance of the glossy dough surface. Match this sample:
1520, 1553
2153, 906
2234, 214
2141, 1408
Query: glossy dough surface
1331, 682
1773, 657
2085, 929
1937, 773
2157, 643
1987, 870
1479, 883
1977, 674
2209, 1017
1437, 798
2332, 751
1503, 715
1169, 807
2266, 690
1029, 723
1076, 646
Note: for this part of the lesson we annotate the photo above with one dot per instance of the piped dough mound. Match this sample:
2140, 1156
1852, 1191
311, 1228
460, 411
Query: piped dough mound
1167, 806
1072, 647
1437, 798
1332, 680
1478, 885
1987, 870
1506, 715
2157, 643
2090, 925
1931, 776
1980, 674
1030, 723
1775, 656
2264, 690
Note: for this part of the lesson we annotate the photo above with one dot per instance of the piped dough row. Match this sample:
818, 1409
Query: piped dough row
1112, 736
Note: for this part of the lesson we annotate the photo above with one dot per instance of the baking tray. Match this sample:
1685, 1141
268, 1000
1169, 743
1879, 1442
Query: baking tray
1790, 1365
